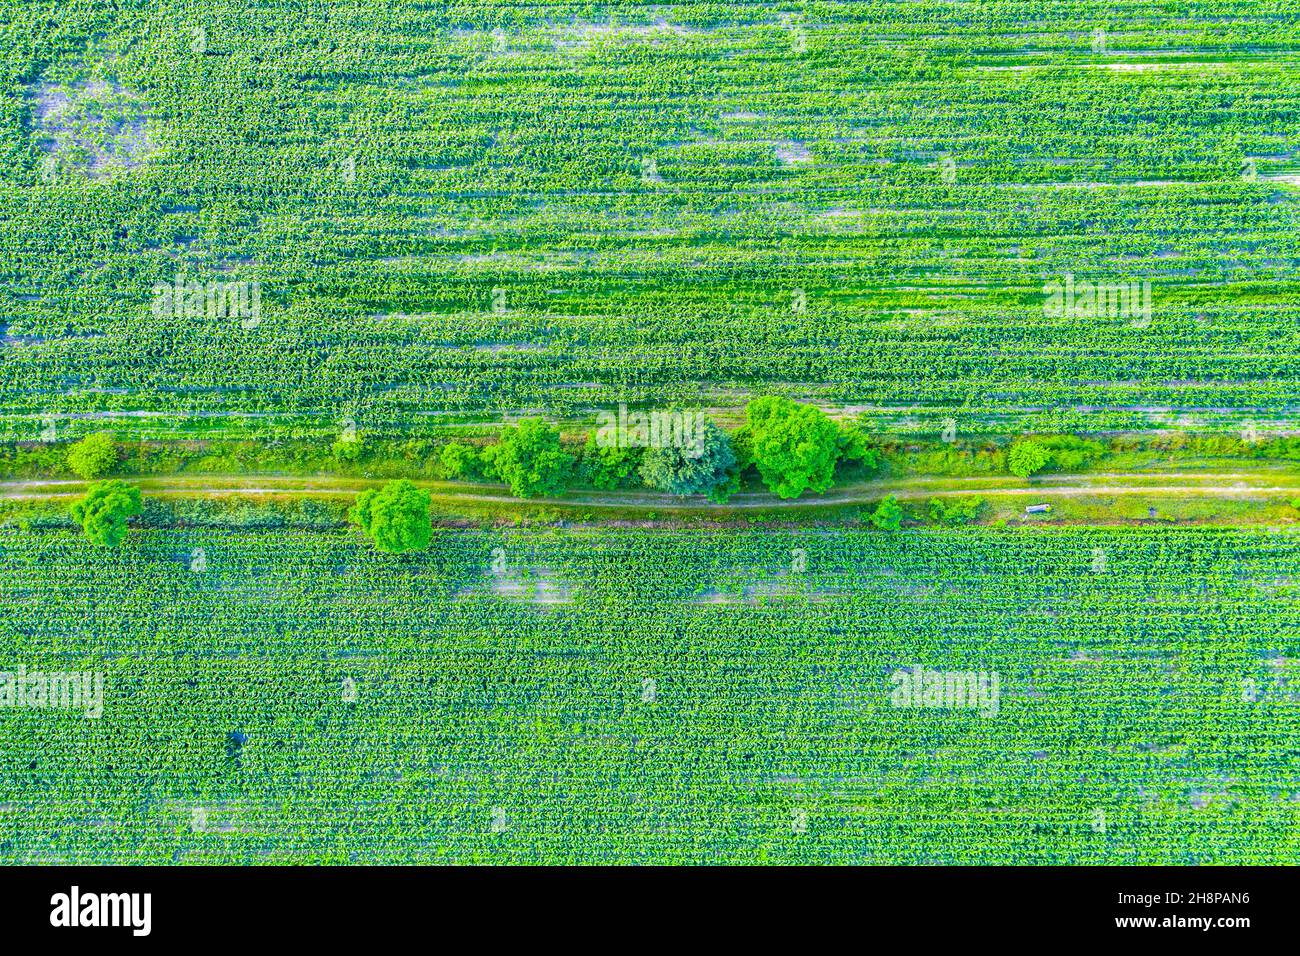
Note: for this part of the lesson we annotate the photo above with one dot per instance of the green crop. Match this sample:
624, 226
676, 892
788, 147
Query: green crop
655, 696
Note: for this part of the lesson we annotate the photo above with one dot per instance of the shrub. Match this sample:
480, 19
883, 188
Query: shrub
608, 466
93, 456
460, 461
955, 512
347, 449
888, 515
852, 445
1070, 453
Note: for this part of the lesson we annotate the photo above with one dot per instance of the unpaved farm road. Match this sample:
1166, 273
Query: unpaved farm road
1231, 485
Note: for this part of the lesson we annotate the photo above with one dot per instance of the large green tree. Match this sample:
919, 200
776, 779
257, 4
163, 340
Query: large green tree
794, 446
104, 511
529, 459
702, 466
395, 517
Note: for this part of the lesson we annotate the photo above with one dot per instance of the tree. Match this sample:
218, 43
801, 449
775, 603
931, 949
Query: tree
395, 518
852, 445
1026, 457
348, 449
529, 459
794, 446
701, 467
607, 466
104, 511
888, 515
460, 461
93, 456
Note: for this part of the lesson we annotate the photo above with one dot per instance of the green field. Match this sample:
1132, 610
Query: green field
269, 268
485, 208
1145, 714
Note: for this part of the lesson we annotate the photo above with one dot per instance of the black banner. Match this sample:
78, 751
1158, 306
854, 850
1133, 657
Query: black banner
307, 905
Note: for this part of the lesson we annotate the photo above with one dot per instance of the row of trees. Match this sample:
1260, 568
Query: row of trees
793, 447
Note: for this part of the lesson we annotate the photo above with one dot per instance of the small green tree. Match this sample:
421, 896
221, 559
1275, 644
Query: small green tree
529, 459
93, 456
701, 466
888, 515
1026, 457
348, 449
852, 444
104, 511
460, 462
794, 446
395, 517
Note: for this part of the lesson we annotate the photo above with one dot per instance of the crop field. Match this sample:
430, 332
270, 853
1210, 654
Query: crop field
480, 209
545, 432
620, 696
